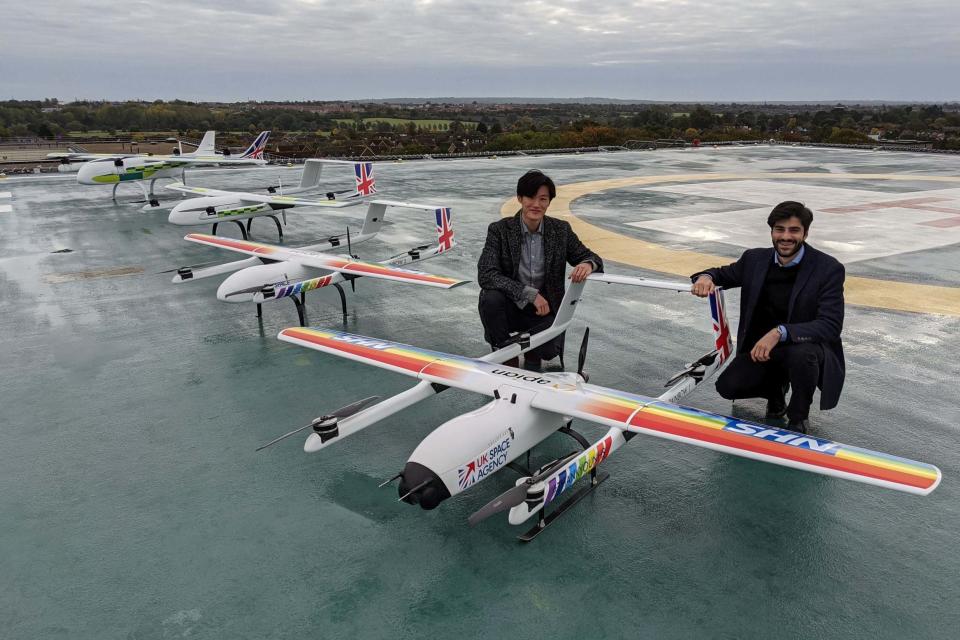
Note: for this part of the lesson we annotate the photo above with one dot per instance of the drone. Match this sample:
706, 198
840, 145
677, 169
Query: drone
528, 407
274, 272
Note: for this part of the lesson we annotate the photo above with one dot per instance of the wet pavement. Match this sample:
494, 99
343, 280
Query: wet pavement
135, 505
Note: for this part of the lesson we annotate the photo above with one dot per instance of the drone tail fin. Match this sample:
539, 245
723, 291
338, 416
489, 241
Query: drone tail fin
374, 220
206, 146
366, 183
722, 338
257, 147
445, 240
310, 178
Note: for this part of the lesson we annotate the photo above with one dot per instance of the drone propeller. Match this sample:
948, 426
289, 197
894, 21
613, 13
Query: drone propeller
517, 495
583, 355
327, 423
191, 266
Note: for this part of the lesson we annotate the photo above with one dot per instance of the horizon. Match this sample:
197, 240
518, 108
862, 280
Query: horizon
520, 100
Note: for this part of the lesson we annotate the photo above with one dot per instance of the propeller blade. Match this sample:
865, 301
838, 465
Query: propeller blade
516, 495
256, 289
284, 436
350, 409
583, 351
192, 266
342, 412
504, 502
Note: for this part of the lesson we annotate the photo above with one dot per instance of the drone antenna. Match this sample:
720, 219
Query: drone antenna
386, 482
415, 489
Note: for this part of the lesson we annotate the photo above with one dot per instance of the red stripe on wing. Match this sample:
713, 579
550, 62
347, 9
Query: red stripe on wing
401, 361
774, 449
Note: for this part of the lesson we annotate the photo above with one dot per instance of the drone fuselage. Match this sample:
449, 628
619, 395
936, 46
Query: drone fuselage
473, 446
262, 275
127, 169
213, 209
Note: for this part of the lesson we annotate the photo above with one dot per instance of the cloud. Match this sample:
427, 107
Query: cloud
325, 49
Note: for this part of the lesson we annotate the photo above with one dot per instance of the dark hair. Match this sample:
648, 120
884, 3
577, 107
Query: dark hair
791, 209
530, 182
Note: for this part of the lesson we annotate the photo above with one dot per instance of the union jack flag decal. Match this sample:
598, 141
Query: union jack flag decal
465, 475
723, 341
257, 147
366, 185
444, 230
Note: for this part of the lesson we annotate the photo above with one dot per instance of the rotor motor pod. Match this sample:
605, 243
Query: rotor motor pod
327, 428
535, 495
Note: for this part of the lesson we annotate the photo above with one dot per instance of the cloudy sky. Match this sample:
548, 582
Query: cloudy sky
637, 49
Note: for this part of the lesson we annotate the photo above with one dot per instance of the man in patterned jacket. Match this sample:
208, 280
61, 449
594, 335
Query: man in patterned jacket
522, 267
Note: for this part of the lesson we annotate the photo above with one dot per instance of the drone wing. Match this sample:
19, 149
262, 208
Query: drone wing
256, 198
631, 412
649, 416
208, 159
434, 366
324, 261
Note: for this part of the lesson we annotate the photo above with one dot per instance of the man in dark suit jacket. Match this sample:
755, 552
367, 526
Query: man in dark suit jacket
521, 269
791, 316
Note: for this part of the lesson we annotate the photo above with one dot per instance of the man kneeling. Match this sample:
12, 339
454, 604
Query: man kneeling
791, 316
521, 270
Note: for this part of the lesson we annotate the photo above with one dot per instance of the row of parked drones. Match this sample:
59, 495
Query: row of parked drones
526, 408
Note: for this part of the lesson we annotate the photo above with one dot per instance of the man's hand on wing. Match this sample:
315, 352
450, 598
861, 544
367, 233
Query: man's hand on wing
703, 286
543, 307
761, 350
581, 271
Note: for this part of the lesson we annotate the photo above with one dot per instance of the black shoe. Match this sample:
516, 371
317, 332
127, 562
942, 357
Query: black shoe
800, 426
532, 364
777, 407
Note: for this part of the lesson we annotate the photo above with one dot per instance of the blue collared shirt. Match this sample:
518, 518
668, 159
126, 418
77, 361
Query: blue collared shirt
531, 271
796, 260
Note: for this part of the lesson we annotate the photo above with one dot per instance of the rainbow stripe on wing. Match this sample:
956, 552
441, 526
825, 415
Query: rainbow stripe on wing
228, 243
391, 355
324, 261
611, 404
792, 449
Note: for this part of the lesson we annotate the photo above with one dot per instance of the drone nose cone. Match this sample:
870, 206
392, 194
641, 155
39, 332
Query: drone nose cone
236, 288
313, 443
179, 215
227, 292
87, 171
420, 485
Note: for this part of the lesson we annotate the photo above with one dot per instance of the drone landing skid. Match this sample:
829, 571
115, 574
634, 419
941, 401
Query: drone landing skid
596, 478
243, 230
275, 219
545, 521
301, 301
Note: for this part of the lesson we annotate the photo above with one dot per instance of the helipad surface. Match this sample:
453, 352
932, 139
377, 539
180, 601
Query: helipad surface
134, 505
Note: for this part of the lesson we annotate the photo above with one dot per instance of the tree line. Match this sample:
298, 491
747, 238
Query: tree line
325, 128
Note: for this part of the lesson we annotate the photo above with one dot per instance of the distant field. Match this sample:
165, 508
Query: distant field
419, 123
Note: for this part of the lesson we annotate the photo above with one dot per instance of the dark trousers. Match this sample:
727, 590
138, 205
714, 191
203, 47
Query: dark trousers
501, 316
798, 364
